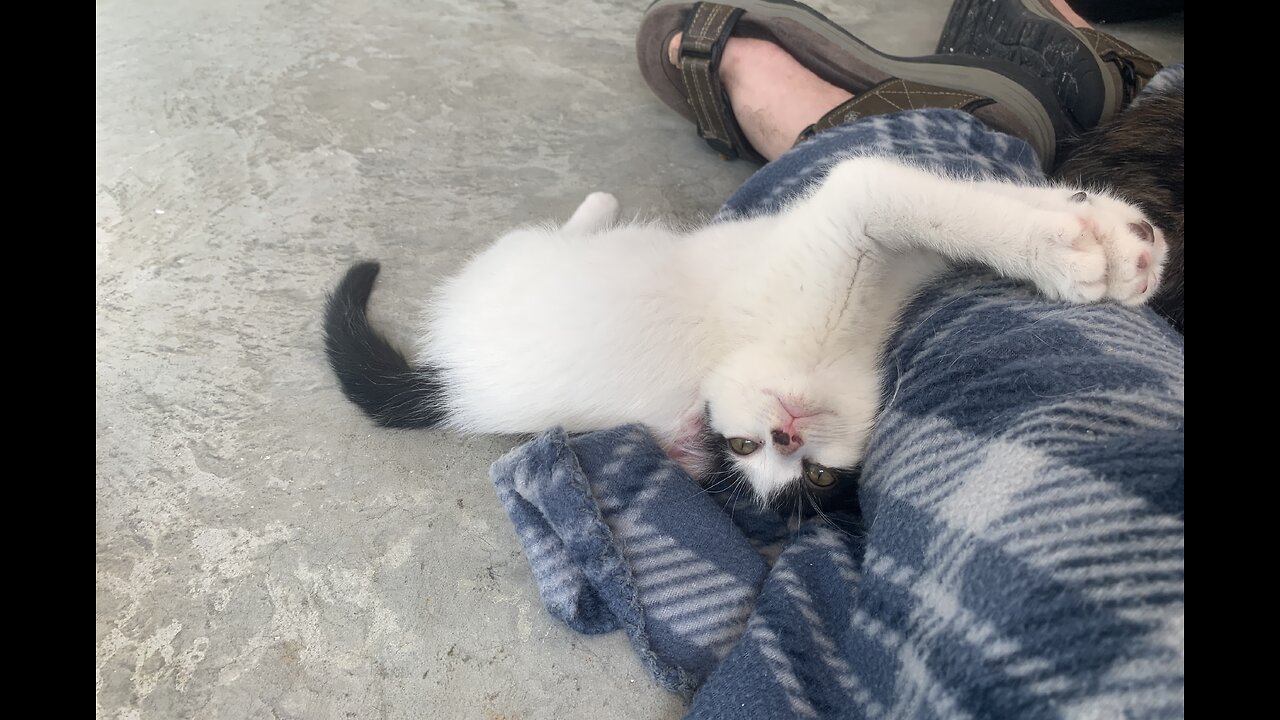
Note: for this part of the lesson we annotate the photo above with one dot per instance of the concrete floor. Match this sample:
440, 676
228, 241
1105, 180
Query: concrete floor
262, 550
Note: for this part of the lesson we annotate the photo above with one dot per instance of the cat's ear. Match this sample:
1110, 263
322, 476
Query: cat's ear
691, 445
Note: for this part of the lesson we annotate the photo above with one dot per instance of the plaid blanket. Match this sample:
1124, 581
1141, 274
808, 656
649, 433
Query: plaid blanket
1019, 547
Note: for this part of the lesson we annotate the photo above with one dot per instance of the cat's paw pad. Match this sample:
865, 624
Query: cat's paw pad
1104, 249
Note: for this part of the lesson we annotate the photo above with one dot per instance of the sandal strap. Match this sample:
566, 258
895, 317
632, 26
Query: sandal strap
895, 95
1136, 68
707, 28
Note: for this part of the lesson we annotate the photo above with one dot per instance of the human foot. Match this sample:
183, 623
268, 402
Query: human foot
811, 75
773, 96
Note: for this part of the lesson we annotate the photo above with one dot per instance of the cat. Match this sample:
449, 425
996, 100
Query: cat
764, 333
1139, 156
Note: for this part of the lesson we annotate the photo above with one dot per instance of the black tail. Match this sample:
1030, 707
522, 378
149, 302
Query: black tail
373, 374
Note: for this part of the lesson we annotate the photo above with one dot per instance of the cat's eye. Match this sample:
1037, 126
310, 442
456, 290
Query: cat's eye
819, 476
743, 446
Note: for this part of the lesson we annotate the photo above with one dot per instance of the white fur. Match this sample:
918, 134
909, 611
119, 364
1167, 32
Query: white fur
597, 324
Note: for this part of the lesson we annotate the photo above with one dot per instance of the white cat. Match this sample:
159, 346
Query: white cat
766, 332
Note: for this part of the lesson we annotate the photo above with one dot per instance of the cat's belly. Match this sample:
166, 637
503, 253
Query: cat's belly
587, 333
520, 386
531, 407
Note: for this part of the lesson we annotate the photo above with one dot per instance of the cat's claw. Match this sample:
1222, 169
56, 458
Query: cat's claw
1101, 248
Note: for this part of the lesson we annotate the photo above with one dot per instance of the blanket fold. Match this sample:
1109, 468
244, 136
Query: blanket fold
620, 538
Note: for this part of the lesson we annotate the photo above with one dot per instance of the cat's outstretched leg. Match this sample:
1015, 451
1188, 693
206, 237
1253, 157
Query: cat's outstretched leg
597, 212
1076, 248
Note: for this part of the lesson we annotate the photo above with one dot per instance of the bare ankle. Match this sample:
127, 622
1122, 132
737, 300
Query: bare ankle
1062, 7
773, 96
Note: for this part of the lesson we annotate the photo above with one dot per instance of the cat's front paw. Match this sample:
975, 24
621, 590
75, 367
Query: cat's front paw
1101, 248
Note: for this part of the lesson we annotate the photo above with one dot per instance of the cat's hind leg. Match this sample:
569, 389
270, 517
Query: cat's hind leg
596, 213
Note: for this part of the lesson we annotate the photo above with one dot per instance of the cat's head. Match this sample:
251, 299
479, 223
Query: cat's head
786, 422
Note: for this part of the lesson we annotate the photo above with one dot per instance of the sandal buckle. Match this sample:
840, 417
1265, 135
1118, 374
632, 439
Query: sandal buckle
725, 149
694, 53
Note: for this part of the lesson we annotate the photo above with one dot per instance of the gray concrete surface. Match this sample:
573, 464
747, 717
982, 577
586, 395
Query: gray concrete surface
262, 551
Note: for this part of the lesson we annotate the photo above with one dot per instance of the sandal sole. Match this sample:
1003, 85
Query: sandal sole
1027, 34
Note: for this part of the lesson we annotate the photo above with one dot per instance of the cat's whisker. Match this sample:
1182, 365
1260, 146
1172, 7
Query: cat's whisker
718, 479
826, 519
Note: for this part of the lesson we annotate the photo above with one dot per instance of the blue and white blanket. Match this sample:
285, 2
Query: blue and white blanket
1019, 552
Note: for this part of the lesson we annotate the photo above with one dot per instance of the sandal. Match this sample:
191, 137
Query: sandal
1094, 75
1000, 94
